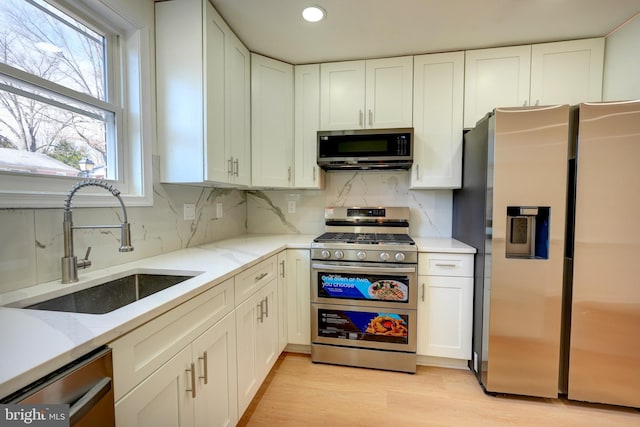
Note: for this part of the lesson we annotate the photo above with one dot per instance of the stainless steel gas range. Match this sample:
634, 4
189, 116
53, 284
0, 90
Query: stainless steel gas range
364, 289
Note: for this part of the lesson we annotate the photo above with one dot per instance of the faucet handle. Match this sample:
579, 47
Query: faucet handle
85, 262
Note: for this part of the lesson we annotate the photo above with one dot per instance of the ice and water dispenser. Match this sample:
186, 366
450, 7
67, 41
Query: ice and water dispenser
527, 232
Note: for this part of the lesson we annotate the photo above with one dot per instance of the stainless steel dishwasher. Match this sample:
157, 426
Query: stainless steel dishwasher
86, 385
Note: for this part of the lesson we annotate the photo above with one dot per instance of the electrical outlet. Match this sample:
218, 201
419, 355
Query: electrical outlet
291, 206
219, 211
189, 211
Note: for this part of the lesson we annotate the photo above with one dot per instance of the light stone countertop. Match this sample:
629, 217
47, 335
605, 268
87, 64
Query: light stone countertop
33, 343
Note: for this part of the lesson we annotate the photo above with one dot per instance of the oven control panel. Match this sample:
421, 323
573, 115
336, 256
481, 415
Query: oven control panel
392, 256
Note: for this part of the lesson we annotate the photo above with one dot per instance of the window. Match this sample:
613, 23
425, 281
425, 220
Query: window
64, 111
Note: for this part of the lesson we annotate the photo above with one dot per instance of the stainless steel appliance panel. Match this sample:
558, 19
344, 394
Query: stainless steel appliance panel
604, 355
87, 386
530, 169
367, 284
355, 326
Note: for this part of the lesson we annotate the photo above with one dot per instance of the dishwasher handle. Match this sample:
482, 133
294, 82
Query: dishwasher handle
89, 400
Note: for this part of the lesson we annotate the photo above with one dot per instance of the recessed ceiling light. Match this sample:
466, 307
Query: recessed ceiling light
313, 13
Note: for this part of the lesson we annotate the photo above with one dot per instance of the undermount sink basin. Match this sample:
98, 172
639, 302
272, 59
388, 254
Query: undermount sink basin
111, 295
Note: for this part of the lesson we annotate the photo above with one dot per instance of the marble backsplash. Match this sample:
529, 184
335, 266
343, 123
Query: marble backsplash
268, 211
33, 241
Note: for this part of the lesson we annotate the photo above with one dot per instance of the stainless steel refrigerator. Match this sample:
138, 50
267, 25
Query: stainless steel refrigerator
523, 178
512, 209
604, 346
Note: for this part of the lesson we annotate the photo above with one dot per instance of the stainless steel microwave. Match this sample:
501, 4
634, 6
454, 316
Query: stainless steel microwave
366, 149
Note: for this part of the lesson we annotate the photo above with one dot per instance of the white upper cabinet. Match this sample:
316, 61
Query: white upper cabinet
542, 74
366, 94
567, 72
438, 94
202, 76
272, 122
307, 123
495, 78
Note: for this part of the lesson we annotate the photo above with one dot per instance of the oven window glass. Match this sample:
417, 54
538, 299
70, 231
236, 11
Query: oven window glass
363, 287
363, 326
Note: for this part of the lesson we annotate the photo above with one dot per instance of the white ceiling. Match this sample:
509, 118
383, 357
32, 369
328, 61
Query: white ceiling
359, 29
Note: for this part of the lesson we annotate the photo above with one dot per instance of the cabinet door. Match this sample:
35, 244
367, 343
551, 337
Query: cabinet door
271, 122
495, 78
445, 316
389, 92
180, 89
162, 399
267, 349
567, 72
282, 301
238, 102
438, 105
216, 167
298, 297
342, 91
307, 123
214, 353
247, 315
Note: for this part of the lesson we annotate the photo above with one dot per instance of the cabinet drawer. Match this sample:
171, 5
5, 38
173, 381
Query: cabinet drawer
445, 264
139, 353
253, 278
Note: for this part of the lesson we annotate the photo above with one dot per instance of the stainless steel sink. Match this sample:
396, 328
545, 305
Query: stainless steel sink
110, 295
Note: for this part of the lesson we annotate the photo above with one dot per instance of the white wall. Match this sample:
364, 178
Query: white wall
622, 63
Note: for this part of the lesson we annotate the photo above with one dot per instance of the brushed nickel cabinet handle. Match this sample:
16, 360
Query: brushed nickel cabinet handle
282, 268
423, 292
236, 167
260, 277
360, 118
446, 265
193, 380
266, 304
260, 312
205, 368
370, 118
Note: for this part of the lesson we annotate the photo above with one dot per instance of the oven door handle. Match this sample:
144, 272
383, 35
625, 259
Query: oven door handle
350, 268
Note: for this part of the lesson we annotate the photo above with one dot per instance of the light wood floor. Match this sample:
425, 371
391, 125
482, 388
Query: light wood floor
300, 393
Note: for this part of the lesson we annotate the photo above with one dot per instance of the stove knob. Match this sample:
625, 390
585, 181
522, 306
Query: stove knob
325, 254
384, 256
339, 254
399, 257
361, 255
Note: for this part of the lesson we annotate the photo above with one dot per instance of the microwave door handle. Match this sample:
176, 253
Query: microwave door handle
350, 268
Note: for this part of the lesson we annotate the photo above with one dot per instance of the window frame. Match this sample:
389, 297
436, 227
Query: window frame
129, 33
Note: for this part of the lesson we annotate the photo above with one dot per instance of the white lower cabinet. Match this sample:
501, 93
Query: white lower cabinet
298, 276
282, 301
445, 305
257, 341
196, 387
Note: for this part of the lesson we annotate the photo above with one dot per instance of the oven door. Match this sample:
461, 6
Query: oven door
354, 326
364, 284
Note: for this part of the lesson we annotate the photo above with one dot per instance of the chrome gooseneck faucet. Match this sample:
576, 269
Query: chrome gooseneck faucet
70, 263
